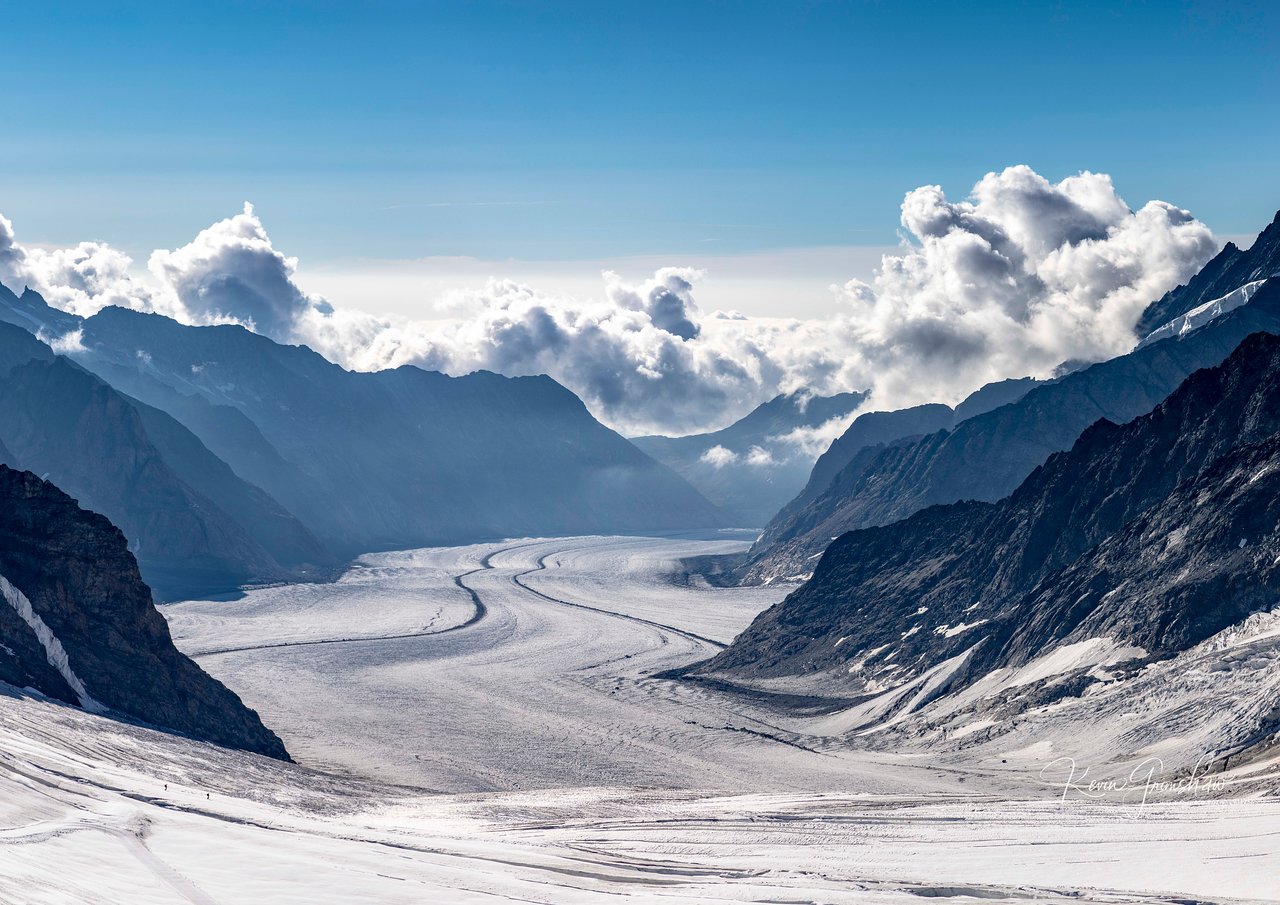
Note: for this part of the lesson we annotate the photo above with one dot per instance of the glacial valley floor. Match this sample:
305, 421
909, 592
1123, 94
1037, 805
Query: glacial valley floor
484, 724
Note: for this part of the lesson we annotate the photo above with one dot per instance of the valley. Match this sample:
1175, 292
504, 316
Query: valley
678, 454
529, 756
388, 674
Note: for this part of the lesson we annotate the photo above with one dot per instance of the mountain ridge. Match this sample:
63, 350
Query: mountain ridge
987, 456
754, 465
1107, 548
379, 460
91, 636
195, 526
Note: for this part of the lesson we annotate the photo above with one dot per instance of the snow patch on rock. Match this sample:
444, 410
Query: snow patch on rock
53, 649
1197, 317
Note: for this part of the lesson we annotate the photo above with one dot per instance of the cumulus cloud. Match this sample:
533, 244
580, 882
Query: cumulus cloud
81, 279
69, 343
1020, 276
809, 442
88, 277
638, 356
231, 272
759, 457
12, 258
1015, 279
718, 457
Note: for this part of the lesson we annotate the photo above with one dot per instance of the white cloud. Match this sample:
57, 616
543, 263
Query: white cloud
1021, 276
81, 279
721, 457
810, 442
69, 343
639, 357
759, 457
718, 457
752, 283
231, 272
88, 277
12, 258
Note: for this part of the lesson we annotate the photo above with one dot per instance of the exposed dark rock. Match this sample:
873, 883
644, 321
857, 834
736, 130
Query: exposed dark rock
1156, 534
987, 456
1229, 270
82, 582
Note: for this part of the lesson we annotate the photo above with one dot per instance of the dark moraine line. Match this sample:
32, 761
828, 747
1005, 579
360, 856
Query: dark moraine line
542, 566
479, 613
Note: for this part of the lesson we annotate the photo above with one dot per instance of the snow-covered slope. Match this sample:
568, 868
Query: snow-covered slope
95, 811
98, 813
1202, 314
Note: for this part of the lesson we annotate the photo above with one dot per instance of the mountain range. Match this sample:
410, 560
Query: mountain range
1140, 542
1040, 540
194, 525
290, 464
875, 477
755, 465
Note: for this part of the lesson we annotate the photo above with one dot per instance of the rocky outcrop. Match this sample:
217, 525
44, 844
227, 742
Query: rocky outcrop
1229, 270
755, 465
987, 456
77, 624
1151, 536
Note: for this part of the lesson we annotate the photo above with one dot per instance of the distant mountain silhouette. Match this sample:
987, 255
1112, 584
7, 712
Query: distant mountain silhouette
843, 462
751, 490
384, 460
193, 524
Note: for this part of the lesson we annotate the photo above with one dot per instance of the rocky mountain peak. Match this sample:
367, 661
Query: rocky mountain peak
77, 624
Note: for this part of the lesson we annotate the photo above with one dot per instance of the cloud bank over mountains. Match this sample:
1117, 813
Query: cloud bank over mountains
1020, 276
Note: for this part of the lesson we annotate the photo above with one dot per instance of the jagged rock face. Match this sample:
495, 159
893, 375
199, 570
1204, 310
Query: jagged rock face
1230, 269
1155, 534
872, 430
83, 586
30, 312
839, 467
194, 525
987, 456
751, 490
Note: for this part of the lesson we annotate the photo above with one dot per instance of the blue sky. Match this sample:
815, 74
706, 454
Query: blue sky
594, 131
